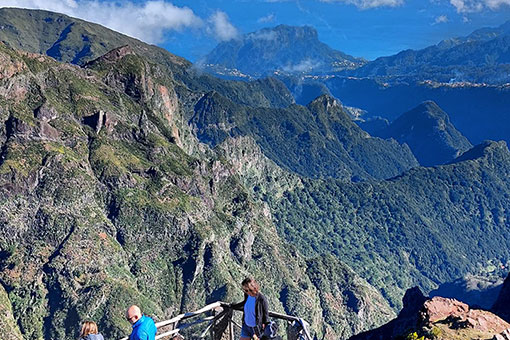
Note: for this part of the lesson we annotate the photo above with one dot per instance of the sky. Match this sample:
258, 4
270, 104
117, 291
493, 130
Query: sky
362, 28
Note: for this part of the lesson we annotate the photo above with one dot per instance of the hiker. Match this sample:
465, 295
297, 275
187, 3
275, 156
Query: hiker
89, 331
256, 310
143, 326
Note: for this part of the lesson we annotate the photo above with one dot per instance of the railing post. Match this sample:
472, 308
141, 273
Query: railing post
231, 328
213, 325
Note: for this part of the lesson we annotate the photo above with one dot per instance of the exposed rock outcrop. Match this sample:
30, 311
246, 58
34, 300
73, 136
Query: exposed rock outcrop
438, 318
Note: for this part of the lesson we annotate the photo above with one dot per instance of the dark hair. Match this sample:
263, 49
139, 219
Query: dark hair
251, 284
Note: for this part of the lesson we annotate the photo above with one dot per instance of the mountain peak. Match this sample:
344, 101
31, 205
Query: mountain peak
296, 32
282, 49
429, 133
114, 55
327, 101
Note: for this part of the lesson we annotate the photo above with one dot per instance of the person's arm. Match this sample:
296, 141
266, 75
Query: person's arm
239, 305
265, 312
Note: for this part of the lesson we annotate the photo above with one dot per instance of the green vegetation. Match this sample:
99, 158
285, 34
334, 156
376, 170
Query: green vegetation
315, 141
117, 201
103, 209
428, 226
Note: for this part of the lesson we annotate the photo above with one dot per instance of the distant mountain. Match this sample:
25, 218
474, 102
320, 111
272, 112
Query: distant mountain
319, 140
481, 57
479, 112
429, 133
283, 49
482, 34
76, 41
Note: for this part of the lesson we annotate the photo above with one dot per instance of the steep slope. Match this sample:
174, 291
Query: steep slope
319, 140
429, 133
286, 49
107, 199
428, 226
76, 41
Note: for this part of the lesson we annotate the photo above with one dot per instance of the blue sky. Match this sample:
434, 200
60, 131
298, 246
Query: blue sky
363, 28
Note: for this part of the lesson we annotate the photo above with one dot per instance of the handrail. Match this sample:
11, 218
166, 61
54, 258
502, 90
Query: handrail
189, 314
212, 319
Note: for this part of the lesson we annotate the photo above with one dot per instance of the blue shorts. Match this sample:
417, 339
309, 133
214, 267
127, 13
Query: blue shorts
247, 331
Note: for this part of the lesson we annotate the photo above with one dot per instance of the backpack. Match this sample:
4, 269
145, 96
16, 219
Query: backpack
270, 331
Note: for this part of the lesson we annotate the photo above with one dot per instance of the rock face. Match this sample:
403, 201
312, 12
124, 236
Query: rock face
438, 318
407, 318
108, 199
428, 132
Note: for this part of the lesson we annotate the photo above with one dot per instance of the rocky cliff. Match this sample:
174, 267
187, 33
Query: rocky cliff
107, 198
502, 305
438, 318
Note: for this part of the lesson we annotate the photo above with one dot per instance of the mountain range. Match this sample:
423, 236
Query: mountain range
465, 76
481, 57
131, 177
108, 199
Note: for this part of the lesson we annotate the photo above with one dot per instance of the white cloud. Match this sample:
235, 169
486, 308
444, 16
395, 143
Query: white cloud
147, 21
495, 4
267, 19
263, 35
471, 6
367, 4
221, 28
467, 6
441, 19
303, 66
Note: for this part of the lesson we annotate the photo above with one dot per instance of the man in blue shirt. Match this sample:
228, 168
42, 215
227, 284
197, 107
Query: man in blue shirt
143, 326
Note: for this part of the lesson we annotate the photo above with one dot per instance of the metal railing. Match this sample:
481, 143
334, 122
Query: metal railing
222, 316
